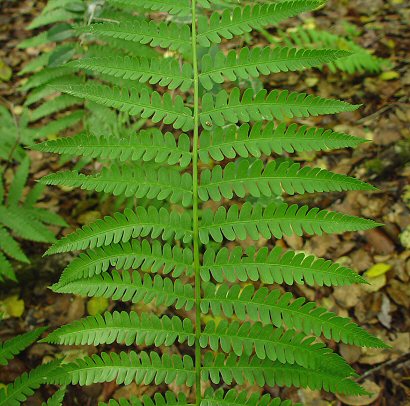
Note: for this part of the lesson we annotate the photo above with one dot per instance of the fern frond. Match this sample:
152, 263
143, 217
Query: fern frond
275, 220
143, 255
51, 17
18, 183
275, 266
245, 141
6, 270
131, 287
15, 345
147, 145
139, 181
136, 103
25, 385
56, 399
173, 36
124, 226
45, 216
250, 63
126, 368
121, 47
59, 103
37, 63
59, 125
233, 398
174, 7
164, 72
11, 247
170, 399
359, 60
245, 19
46, 90
54, 4
260, 372
274, 344
277, 308
125, 328
232, 108
45, 76
245, 177
23, 225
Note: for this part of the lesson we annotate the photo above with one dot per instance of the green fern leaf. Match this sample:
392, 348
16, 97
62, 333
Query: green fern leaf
233, 398
131, 287
145, 104
11, 247
242, 20
232, 108
260, 372
277, 308
56, 399
274, 344
15, 345
125, 368
175, 7
164, 72
149, 145
124, 226
170, 399
274, 266
275, 220
246, 141
122, 47
127, 328
250, 63
59, 125
165, 35
142, 255
23, 225
25, 385
45, 76
60, 103
359, 60
51, 17
6, 270
55, 4
44, 91
243, 177
35, 64
19, 181
138, 181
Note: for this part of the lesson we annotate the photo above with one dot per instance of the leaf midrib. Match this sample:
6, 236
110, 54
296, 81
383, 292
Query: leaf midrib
305, 178
240, 65
350, 326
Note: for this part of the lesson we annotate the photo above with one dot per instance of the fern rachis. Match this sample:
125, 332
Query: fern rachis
240, 332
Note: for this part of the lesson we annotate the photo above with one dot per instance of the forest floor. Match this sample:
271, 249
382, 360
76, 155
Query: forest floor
383, 254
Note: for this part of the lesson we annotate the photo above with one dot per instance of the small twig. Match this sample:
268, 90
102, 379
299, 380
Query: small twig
10, 106
397, 361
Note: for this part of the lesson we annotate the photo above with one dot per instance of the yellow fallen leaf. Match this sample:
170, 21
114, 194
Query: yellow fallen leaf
311, 82
12, 306
378, 269
389, 75
5, 71
89, 217
376, 283
97, 305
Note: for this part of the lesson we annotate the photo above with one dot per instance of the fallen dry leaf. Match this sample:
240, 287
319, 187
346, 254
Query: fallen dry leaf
362, 400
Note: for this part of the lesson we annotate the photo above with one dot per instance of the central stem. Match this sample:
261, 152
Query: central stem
195, 211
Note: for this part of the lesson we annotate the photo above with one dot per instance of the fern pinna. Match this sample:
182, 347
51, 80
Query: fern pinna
239, 331
26, 384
